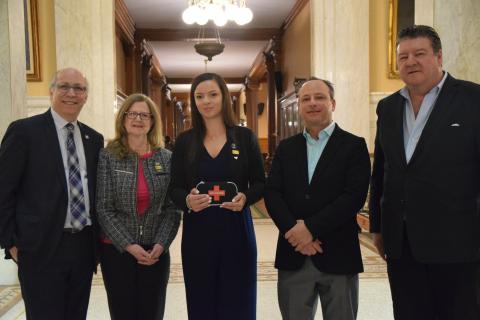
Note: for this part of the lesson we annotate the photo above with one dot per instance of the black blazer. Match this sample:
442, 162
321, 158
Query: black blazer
33, 187
437, 194
247, 169
329, 204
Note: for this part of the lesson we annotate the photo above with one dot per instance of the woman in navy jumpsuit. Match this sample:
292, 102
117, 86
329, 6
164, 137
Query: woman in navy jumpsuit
218, 245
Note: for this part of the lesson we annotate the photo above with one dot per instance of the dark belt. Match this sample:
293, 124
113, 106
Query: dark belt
73, 231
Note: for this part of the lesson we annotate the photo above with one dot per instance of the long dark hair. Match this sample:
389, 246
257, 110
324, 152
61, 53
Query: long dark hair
198, 124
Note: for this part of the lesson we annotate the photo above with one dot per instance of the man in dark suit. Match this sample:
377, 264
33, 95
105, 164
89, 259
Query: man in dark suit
425, 188
47, 192
317, 184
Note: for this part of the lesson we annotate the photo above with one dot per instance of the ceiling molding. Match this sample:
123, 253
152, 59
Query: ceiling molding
124, 22
227, 34
228, 80
156, 71
258, 70
297, 8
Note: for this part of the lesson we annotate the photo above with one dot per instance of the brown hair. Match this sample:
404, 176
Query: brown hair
329, 84
119, 144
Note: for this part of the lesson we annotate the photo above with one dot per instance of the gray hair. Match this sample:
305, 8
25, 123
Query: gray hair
53, 82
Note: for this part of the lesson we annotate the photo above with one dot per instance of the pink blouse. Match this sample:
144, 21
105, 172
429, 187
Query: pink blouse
143, 196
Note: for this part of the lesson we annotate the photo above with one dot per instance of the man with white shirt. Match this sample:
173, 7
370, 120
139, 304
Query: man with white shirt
425, 186
47, 191
317, 183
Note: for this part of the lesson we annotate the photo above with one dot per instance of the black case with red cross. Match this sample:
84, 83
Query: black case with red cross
219, 191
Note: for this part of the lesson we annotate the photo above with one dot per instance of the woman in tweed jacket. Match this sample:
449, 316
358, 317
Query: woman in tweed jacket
137, 217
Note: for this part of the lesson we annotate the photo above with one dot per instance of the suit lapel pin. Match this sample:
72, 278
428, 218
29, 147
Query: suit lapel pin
87, 136
235, 151
158, 167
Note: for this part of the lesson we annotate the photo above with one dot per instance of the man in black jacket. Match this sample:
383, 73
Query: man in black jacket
317, 184
425, 189
48, 167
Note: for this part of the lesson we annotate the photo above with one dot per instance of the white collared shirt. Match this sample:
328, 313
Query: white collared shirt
315, 147
77, 137
413, 127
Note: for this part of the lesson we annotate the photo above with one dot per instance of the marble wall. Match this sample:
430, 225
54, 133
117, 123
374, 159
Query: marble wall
458, 24
424, 12
85, 39
12, 63
12, 89
37, 105
340, 53
375, 98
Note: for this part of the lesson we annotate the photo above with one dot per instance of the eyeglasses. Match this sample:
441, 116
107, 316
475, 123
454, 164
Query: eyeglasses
65, 88
143, 115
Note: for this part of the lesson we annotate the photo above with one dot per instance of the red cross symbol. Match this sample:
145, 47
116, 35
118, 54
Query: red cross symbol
216, 192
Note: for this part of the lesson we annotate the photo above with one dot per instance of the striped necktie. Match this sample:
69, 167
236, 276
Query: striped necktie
77, 200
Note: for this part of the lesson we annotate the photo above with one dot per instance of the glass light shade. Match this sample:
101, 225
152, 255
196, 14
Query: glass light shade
190, 14
220, 20
213, 11
231, 11
244, 16
202, 18
219, 11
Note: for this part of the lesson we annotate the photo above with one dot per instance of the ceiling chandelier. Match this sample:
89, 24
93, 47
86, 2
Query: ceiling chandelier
208, 47
219, 11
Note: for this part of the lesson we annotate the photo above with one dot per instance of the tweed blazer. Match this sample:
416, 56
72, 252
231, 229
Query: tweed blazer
117, 200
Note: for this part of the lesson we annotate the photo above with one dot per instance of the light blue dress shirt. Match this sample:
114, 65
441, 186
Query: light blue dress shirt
77, 137
315, 147
413, 127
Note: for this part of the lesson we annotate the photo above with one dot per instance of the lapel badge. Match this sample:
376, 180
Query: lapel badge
87, 136
235, 151
158, 167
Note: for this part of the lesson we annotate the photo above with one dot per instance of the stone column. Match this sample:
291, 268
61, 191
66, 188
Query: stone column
340, 53
85, 39
13, 89
13, 86
424, 12
457, 23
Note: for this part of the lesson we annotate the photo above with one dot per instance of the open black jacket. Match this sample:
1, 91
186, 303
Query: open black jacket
437, 194
246, 167
328, 204
33, 187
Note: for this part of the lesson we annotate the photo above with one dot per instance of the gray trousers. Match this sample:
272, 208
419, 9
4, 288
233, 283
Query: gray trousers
298, 293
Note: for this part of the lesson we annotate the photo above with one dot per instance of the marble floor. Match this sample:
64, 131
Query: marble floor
375, 302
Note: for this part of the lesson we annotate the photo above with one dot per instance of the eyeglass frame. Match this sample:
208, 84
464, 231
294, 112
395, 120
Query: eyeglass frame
142, 115
65, 88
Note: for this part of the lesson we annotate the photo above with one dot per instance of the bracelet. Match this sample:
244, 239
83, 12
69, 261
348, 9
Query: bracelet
188, 204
